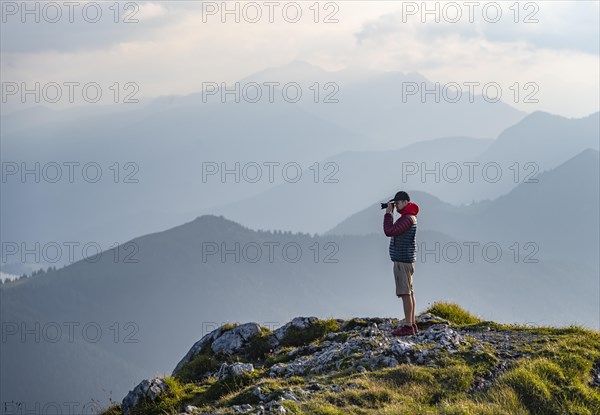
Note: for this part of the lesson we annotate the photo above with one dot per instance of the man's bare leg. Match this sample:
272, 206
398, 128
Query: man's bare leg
408, 309
414, 306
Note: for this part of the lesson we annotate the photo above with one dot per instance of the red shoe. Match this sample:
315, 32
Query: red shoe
415, 328
404, 331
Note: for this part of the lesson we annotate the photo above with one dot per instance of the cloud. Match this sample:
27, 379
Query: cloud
35, 27
383, 26
149, 11
560, 25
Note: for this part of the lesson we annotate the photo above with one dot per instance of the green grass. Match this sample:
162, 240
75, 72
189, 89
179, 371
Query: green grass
229, 326
170, 402
259, 346
280, 357
227, 386
299, 337
204, 361
557, 382
354, 323
453, 313
113, 410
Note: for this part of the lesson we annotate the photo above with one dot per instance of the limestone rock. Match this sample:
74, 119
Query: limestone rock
233, 341
298, 322
234, 369
197, 347
147, 389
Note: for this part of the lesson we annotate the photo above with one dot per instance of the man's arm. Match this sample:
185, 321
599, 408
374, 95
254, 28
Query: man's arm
401, 225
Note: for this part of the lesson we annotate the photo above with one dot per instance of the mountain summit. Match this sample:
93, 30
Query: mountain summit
455, 364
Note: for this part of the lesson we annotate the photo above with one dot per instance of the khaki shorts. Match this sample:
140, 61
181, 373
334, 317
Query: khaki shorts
403, 273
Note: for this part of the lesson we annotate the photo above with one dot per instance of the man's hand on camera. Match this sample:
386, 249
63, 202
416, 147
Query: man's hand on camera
390, 208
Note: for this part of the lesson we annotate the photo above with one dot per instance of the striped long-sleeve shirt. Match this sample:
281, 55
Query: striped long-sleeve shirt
403, 233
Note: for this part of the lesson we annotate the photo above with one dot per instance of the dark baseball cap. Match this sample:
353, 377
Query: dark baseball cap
401, 196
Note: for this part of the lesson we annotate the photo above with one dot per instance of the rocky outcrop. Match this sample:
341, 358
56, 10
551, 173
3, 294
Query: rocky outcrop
234, 341
369, 347
146, 390
308, 348
197, 347
226, 342
235, 369
300, 323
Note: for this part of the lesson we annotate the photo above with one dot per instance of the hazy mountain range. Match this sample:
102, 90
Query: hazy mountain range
559, 212
363, 178
168, 139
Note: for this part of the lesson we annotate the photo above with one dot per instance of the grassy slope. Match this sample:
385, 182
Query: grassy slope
553, 378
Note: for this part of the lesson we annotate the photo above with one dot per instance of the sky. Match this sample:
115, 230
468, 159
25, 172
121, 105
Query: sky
551, 49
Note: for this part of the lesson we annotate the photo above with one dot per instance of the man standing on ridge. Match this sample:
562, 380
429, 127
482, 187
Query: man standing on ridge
403, 247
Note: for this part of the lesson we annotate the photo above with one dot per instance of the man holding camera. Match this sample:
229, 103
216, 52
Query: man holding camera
403, 247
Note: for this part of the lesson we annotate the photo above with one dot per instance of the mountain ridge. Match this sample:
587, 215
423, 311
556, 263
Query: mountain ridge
533, 206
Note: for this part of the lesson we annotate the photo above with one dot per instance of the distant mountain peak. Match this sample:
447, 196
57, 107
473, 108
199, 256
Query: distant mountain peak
537, 116
210, 222
209, 218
